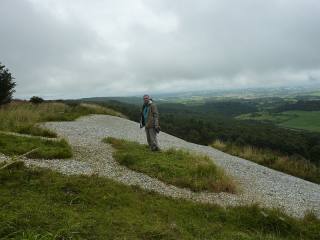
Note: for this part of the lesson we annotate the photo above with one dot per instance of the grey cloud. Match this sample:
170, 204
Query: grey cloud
118, 48
228, 38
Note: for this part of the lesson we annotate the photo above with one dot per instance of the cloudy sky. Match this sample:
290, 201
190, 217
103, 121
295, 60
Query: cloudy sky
82, 48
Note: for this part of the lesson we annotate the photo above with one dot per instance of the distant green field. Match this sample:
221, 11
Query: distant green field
265, 116
317, 93
307, 120
303, 120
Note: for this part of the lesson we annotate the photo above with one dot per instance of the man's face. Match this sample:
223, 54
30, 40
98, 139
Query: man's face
146, 99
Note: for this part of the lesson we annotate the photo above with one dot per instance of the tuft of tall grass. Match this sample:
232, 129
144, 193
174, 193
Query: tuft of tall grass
293, 165
23, 117
177, 167
97, 109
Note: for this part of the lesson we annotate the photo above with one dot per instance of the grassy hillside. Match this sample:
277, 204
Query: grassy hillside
41, 204
176, 167
24, 117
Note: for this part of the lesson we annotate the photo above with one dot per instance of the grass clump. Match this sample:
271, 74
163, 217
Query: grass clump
293, 165
16, 145
176, 167
42, 204
22, 118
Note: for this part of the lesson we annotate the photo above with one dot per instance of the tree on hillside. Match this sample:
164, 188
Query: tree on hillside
36, 100
6, 85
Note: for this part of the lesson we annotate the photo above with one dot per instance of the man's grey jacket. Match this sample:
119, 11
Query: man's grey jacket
153, 116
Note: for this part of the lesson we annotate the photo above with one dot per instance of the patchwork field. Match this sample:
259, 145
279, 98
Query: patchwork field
306, 120
303, 120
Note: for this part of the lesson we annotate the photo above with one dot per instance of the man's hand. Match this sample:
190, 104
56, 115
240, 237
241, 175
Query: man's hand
158, 129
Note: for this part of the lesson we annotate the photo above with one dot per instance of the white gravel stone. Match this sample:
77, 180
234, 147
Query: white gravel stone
3, 158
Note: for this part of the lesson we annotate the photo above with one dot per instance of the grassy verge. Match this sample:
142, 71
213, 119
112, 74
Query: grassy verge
291, 165
175, 167
23, 117
40, 204
16, 145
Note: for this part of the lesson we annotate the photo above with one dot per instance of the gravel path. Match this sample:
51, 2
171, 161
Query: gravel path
258, 184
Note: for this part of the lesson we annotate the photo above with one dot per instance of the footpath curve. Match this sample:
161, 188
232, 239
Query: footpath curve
258, 184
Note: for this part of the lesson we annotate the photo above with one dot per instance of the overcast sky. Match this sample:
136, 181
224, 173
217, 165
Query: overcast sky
82, 48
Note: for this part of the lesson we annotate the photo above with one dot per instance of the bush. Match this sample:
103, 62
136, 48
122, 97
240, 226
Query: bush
36, 100
315, 154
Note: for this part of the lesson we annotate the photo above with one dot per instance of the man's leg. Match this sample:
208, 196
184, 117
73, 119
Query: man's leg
148, 137
153, 139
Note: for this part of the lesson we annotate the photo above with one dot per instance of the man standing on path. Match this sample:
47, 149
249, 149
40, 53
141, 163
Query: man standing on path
150, 120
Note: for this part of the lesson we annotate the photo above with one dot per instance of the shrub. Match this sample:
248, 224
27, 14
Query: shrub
315, 153
6, 85
36, 100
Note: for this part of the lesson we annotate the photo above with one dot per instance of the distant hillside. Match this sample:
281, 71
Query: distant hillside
131, 100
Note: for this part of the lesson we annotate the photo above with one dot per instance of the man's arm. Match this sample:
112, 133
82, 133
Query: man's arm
142, 123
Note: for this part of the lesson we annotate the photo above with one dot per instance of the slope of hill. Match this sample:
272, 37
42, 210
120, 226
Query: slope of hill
86, 202
259, 184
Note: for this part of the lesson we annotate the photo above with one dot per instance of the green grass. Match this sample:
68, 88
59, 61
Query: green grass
176, 167
16, 145
24, 117
288, 164
316, 93
41, 204
306, 120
